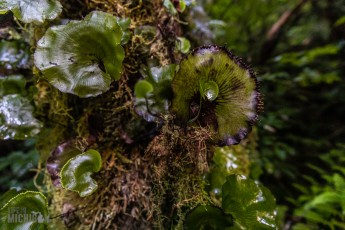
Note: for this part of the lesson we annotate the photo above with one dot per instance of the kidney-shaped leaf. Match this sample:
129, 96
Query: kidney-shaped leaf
82, 57
32, 10
16, 118
76, 173
26, 210
251, 205
208, 217
232, 102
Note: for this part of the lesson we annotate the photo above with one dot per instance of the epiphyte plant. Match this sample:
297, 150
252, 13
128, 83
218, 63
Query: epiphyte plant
216, 89
83, 57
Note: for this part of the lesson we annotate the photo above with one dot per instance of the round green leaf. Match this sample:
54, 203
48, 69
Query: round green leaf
82, 57
251, 205
208, 217
26, 210
76, 173
142, 88
233, 110
36, 11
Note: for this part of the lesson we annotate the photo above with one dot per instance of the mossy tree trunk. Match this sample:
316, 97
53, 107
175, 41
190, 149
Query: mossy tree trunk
152, 172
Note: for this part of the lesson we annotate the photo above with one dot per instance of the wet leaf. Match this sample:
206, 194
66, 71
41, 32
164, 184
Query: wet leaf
59, 157
142, 88
82, 57
16, 118
209, 90
251, 205
156, 101
76, 173
234, 110
36, 11
208, 217
30, 204
226, 161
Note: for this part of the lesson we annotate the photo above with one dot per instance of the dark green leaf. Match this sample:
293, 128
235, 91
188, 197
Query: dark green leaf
208, 217
82, 57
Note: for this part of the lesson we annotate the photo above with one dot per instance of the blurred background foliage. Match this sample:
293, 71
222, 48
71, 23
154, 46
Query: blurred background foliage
297, 48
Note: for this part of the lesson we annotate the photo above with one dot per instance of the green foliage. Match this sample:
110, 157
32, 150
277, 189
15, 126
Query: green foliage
322, 203
237, 102
153, 93
208, 217
83, 57
14, 54
16, 167
251, 206
36, 11
31, 204
16, 113
76, 173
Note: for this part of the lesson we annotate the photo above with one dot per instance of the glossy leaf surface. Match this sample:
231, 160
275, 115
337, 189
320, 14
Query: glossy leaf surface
36, 11
82, 57
26, 210
16, 118
76, 173
252, 205
237, 104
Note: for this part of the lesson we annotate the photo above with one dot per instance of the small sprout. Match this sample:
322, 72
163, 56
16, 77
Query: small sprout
182, 44
252, 205
216, 89
154, 92
76, 173
83, 57
142, 89
36, 11
209, 90
208, 217
17, 205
